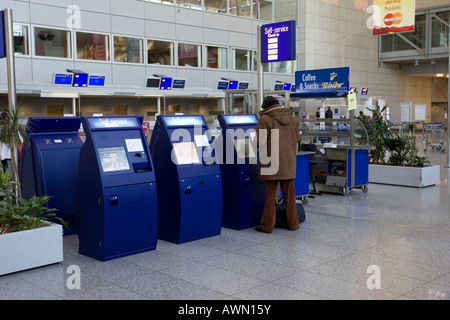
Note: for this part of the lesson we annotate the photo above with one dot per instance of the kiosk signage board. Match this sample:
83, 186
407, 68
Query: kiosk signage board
118, 205
322, 81
278, 41
240, 177
188, 179
49, 164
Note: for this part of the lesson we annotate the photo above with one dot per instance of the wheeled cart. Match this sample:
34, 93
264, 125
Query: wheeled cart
434, 128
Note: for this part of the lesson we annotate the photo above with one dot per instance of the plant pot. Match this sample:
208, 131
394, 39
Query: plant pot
405, 176
28, 249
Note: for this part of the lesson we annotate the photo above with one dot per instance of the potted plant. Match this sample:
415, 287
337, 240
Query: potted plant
27, 237
395, 159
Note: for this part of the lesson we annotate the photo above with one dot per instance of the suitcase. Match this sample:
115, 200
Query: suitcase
280, 209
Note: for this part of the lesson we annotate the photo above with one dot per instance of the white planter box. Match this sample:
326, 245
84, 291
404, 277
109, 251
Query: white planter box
28, 249
405, 176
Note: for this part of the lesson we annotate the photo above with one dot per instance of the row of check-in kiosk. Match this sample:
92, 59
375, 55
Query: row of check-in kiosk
120, 194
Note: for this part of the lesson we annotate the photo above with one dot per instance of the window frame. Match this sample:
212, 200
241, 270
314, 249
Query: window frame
200, 45
90, 32
161, 65
33, 43
206, 56
113, 54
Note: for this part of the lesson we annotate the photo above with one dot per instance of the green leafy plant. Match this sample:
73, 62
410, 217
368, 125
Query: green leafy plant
18, 214
404, 152
13, 132
378, 130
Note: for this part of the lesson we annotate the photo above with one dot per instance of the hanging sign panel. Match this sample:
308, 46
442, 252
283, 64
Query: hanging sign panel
2, 35
322, 80
278, 41
393, 16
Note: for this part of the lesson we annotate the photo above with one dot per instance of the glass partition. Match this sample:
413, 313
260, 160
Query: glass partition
21, 39
439, 30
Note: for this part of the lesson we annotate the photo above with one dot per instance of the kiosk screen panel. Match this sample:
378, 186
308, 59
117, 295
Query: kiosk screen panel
185, 153
184, 121
247, 119
244, 148
113, 159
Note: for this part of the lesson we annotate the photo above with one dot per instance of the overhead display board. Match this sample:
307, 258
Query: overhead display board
278, 41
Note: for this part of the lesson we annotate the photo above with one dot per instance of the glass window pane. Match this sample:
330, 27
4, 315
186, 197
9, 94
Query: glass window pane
219, 6
20, 34
284, 67
91, 46
193, 4
217, 57
241, 59
439, 31
160, 52
168, 2
266, 66
285, 10
392, 42
128, 49
240, 8
52, 43
262, 10
189, 55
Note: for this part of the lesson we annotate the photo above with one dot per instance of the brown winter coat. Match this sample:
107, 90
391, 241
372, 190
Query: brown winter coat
277, 117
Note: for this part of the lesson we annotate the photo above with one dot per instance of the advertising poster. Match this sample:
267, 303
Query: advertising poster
393, 16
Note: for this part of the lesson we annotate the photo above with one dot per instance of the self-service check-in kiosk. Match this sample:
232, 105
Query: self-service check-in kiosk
118, 207
243, 191
49, 164
188, 179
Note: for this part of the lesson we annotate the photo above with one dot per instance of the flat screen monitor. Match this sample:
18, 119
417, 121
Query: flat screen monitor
279, 86
80, 80
241, 119
166, 84
178, 83
185, 153
244, 148
96, 81
62, 79
184, 121
293, 88
113, 159
243, 85
153, 83
233, 85
287, 86
364, 91
222, 85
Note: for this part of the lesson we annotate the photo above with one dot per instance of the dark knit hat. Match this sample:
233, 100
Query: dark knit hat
268, 102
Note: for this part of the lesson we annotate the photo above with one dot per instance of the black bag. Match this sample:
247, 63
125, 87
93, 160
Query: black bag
280, 209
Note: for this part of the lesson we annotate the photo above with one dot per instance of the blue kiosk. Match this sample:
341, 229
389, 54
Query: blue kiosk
243, 191
118, 205
188, 179
49, 164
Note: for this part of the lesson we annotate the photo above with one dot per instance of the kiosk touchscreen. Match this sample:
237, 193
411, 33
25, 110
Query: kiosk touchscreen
188, 179
243, 191
49, 164
118, 207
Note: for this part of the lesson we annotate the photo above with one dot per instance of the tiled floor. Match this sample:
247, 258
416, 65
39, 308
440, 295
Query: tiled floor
403, 231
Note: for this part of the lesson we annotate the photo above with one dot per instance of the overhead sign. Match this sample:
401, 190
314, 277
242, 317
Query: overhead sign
393, 16
2, 35
322, 80
278, 41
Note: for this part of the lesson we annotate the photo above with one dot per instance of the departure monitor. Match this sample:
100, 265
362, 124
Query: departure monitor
244, 148
153, 83
185, 153
113, 159
96, 81
222, 85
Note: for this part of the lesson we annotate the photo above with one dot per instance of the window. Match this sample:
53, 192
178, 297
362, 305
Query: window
240, 8
219, 6
128, 49
160, 52
21, 43
52, 42
439, 30
284, 67
189, 55
91, 46
241, 59
266, 66
262, 9
193, 4
217, 57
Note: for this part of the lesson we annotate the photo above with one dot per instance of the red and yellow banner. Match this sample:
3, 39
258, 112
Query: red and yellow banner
393, 16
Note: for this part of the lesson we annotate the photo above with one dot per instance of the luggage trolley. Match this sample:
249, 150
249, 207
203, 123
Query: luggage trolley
433, 127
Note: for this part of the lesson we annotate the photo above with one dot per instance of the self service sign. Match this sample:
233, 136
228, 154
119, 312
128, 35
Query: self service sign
278, 41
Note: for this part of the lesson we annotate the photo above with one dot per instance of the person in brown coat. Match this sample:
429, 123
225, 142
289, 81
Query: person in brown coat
278, 137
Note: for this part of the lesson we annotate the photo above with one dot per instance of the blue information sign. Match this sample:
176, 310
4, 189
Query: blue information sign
240, 119
104, 123
184, 121
322, 80
278, 41
2, 35
96, 81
